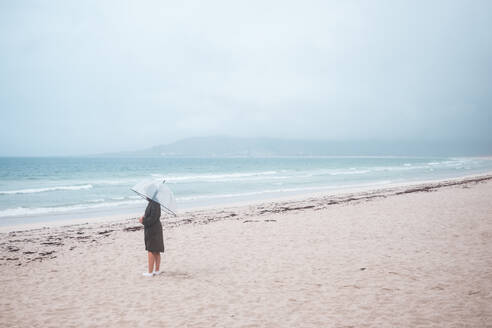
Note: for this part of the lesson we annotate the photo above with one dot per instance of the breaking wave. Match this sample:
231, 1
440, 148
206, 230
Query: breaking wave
37, 190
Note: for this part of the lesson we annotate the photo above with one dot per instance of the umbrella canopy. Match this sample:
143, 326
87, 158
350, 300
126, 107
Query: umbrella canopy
158, 192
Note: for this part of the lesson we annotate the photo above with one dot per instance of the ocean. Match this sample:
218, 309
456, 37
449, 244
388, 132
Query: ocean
39, 190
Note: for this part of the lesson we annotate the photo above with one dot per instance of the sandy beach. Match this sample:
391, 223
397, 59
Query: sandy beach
407, 256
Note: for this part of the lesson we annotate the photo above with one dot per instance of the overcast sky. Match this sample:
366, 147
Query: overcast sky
81, 77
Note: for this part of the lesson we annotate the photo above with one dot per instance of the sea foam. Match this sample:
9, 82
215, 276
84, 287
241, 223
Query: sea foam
27, 211
48, 189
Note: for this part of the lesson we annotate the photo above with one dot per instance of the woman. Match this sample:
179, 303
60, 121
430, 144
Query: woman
154, 243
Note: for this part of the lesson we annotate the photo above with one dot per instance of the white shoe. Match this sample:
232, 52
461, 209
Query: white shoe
146, 274
157, 272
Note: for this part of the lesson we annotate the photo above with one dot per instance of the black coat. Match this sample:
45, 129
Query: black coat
154, 241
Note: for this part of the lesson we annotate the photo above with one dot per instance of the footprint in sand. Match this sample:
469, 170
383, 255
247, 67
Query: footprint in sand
176, 274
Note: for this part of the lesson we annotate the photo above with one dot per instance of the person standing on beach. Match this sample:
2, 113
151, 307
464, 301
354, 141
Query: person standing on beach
154, 240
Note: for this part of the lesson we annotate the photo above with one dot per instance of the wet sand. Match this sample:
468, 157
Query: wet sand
409, 256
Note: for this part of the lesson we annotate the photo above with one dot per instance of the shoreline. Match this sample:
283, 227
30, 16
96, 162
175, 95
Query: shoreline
21, 247
120, 218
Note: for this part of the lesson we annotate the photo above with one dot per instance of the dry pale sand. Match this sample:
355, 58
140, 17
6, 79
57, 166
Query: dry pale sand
408, 257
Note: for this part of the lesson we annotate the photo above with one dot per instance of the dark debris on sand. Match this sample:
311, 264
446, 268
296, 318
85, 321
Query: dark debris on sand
134, 228
47, 241
44, 243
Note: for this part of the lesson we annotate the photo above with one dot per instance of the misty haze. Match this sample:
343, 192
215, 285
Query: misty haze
99, 77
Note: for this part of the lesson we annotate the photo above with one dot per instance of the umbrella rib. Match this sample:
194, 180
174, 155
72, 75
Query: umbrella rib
145, 196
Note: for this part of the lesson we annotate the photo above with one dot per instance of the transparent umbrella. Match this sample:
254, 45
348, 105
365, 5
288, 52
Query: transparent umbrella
159, 192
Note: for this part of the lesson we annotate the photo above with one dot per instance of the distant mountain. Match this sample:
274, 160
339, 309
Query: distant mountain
267, 147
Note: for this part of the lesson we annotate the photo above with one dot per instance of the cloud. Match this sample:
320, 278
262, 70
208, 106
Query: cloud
141, 73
